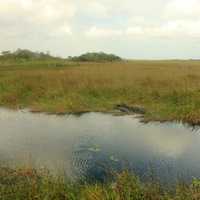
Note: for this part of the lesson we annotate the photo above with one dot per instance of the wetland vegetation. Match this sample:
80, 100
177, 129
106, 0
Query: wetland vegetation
30, 184
167, 90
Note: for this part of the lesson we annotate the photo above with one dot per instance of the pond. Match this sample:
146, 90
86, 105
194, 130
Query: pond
94, 144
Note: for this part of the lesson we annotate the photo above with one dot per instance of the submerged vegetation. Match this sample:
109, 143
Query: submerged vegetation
166, 90
30, 184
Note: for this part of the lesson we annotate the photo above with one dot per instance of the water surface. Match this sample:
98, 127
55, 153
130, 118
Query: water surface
91, 144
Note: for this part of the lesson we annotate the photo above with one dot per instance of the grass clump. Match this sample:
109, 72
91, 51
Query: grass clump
28, 184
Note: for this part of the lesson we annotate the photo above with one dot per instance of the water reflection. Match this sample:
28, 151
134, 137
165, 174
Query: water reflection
92, 144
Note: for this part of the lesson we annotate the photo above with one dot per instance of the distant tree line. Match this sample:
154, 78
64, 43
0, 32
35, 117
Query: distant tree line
96, 57
24, 54
28, 55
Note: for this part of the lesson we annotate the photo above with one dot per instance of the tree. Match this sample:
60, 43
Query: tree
96, 57
4, 53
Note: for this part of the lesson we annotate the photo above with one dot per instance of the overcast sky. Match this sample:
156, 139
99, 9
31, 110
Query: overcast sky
130, 28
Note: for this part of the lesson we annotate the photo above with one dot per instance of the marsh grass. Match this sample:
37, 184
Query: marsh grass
29, 184
168, 90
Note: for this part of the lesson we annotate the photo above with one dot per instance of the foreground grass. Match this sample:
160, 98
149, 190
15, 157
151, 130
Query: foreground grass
29, 184
168, 90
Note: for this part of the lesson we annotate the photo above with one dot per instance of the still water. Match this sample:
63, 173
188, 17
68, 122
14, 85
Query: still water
92, 144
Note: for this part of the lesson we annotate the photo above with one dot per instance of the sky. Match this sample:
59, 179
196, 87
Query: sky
145, 29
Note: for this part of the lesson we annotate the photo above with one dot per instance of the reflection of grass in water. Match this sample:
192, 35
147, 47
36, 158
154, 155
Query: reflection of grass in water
25, 184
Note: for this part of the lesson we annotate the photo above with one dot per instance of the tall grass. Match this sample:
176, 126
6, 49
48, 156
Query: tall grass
29, 184
168, 90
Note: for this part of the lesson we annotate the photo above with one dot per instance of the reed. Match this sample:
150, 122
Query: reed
29, 184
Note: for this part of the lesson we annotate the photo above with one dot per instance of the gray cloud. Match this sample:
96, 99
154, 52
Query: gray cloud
130, 28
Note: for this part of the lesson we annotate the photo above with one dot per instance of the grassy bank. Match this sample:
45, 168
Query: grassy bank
168, 90
29, 184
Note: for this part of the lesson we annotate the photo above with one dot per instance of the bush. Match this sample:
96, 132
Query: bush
24, 54
96, 57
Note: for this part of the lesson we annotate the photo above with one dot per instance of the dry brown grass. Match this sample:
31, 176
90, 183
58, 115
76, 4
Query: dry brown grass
168, 90
30, 184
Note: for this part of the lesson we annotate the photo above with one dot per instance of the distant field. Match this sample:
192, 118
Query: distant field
168, 90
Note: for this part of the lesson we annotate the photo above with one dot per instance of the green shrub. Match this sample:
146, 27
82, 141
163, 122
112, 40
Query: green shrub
96, 57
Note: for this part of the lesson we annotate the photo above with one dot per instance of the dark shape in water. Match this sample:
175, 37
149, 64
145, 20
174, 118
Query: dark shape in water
130, 109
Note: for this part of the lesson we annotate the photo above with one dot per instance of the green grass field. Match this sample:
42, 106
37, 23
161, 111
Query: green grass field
168, 90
